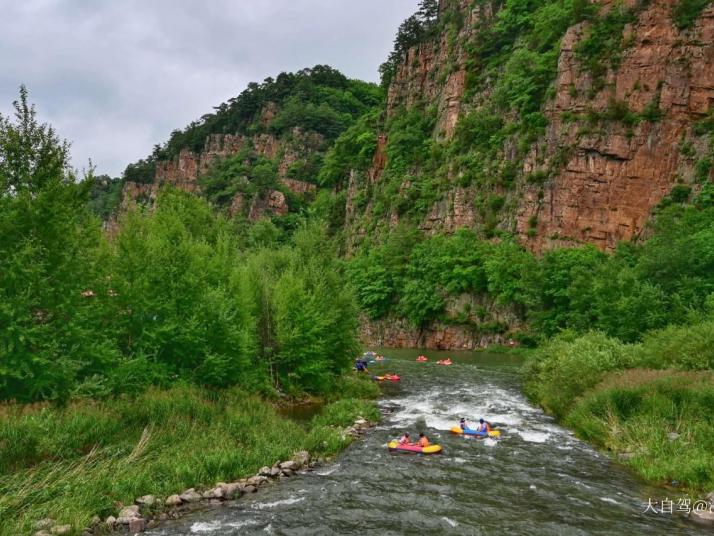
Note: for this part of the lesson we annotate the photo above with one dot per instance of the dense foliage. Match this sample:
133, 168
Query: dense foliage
320, 100
177, 292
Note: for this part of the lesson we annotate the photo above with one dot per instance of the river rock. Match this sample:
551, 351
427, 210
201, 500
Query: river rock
710, 498
61, 530
111, 521
250, 489
302, 458
231, 490
137, 525
291, 465
264, 471
361, 423
190, 496
275, 472
152, 524
43, 524
96, 520
256, 480
702, 518
146, 500
173, 500
129, 511
288, 472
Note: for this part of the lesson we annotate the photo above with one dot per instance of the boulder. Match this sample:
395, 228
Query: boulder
361, 423
288, 472
137, 525
275, 472
705, 517
256, 480
61, 530
111, 521
146, 500
190, 496
302, 458
264, 471
710, 498
96, 520
173, 500
129, 511
250, 489
217, 492
291, 465
152, 524
231, 490
44, 524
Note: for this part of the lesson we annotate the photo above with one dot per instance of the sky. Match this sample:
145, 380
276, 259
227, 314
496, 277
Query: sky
116, 77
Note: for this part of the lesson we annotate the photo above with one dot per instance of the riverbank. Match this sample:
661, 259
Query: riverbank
648, 404
92, 458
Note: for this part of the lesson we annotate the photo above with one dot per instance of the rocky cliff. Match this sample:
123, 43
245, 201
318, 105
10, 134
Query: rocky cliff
185, 169
612, 148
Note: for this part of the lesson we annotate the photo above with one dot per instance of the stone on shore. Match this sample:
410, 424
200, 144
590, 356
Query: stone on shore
173, 500
137, 525
250, 489
302, 458
274, 472
111, 521
43, 524
290, 465
61, 530
256, 480
231, 490
190, 496
42, 533
146, 500
705, 517
264, 471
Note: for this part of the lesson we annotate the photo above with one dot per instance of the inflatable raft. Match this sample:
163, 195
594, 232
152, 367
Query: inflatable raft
444, 362
422, 358
388, 377
494, 434
394, 446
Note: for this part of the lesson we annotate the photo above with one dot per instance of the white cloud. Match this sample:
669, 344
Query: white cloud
115, 78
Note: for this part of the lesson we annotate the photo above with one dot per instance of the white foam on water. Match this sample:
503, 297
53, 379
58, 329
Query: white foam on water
241, 524
283, 502
451, 522
458, 460
328, 470
609, 500
199, 528
489, 442
532, 436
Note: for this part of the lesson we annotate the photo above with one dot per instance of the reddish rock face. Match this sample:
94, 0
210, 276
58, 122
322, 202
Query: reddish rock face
604, 181
614, 178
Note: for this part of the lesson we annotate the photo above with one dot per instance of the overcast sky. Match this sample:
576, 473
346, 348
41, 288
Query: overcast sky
116, 77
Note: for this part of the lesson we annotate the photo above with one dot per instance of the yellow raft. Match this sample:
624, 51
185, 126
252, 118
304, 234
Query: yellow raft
394, 446
494, 434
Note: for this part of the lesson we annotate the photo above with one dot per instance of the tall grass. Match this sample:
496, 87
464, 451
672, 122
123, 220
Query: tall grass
75, 462
651, 400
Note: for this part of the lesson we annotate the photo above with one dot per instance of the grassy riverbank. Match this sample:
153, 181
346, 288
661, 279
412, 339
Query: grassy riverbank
648, 403
74, 462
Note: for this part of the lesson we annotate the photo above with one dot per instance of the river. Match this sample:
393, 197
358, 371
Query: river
537, 480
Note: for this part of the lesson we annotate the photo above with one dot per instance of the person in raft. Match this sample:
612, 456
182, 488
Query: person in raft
361, 366
483, 426
464, 425
423, 441
405, 440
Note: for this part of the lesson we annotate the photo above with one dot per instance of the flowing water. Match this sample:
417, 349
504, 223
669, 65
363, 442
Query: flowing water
537, 480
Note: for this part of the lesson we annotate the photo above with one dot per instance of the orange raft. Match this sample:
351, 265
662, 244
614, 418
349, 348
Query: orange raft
422, 358
444, 362
388, 377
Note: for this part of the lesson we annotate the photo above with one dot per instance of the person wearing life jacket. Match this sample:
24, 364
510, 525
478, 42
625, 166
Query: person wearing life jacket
423, 441
361, 366
405, 440
484, 427
463, 424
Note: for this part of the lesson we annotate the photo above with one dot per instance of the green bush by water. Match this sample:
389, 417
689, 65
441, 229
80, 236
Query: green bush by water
74, 462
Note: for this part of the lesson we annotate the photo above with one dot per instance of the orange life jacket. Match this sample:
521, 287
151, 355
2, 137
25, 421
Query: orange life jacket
423, 442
